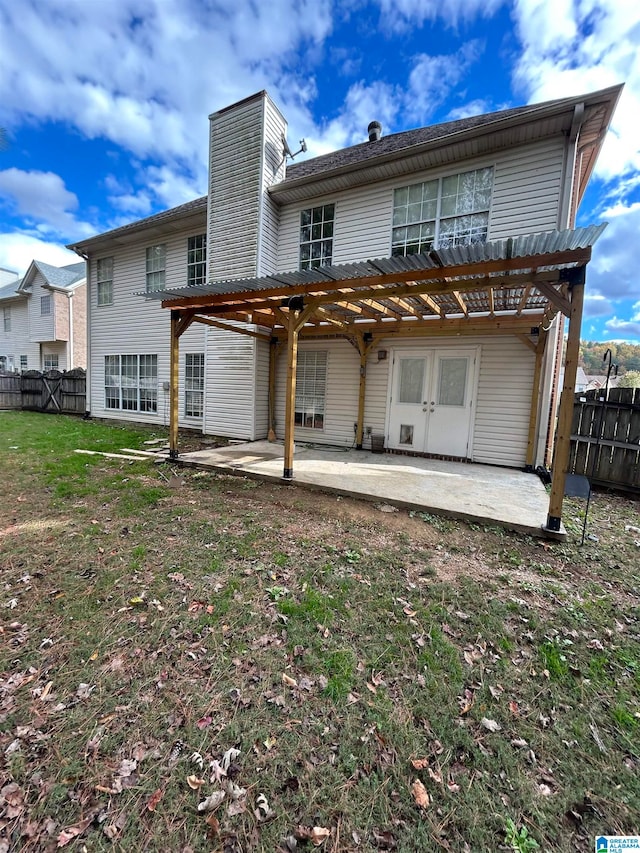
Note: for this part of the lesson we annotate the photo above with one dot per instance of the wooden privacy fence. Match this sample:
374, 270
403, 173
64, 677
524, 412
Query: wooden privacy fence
615, 419
52, 391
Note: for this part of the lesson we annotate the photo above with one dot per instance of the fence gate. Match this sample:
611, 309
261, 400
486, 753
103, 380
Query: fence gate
615, 419
52, 391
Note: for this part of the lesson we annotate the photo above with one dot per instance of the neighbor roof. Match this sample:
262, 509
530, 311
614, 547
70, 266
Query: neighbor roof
62, 277
9, 291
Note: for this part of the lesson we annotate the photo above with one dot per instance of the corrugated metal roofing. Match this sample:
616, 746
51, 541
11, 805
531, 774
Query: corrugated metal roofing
528, 245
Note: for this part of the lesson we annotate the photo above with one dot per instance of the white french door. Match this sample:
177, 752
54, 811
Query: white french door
431, 401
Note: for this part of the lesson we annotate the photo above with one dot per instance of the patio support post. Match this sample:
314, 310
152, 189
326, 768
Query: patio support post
535, 402
363, 348
173, 385
289, 417
273, 343
576, 279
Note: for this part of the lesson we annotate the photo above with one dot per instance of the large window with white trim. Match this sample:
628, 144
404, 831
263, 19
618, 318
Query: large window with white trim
197, 260
316, 236
131, 382
444, 212
194, 384
311, 384
104, 279
156, 266
50, 361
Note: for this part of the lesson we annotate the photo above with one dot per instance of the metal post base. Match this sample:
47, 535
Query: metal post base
553, 523
173, 455
288, 474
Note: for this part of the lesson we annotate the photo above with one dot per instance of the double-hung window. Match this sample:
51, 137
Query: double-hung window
50, 361
444, 212
311, 383
194, 384
45, 305
316, 236
197, 260
131, 382
104, 278
156, 266
7, 319
24, 361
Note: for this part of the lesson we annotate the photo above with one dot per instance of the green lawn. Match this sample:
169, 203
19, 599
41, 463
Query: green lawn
316, 673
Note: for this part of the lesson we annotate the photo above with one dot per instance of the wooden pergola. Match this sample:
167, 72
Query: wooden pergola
509, 287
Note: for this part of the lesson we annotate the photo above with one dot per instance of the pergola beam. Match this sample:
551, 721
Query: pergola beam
463, 274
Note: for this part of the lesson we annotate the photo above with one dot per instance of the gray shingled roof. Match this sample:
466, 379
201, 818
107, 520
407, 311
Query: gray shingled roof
181, 210
10, 290
65, 276
397, 142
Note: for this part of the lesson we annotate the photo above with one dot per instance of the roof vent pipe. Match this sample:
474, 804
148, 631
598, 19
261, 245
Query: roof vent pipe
375, 131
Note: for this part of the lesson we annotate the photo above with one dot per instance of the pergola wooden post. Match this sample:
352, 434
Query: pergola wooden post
273, 343
173, 385
576, 279
364, 342
535, 402
290, 401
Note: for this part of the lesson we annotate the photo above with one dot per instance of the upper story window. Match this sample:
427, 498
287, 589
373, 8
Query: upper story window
443, 212
197, 260
316, 236
45, 305
7, 319
156, 265
104, 278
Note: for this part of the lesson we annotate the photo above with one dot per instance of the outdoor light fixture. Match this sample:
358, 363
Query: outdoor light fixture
382, 354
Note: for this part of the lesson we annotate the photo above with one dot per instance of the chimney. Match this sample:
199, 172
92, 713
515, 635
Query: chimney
375, 131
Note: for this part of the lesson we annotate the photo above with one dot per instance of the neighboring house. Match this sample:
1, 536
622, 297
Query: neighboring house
446, 345
44, 315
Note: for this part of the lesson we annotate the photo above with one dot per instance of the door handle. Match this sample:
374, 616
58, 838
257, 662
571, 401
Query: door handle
432, 410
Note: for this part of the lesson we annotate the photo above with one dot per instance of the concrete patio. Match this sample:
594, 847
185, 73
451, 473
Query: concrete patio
478, 493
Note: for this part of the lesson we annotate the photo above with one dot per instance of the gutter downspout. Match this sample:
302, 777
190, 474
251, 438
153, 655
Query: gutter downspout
70, 358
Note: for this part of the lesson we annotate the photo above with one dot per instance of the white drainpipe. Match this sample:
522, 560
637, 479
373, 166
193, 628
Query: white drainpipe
70, 357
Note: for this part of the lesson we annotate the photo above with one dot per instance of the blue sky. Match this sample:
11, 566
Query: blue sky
105, 104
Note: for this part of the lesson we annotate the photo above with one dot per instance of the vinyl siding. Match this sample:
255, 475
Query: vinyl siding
41, 328
526, 194
501, 408
261, 415
133, 326
17, 341
236, 143
230, 370
273, 171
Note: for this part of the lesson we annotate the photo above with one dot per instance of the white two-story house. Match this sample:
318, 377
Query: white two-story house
373, 291
44, 324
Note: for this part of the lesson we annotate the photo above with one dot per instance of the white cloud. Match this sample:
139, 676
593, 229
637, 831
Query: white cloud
597, 305
472, 108
570, 47
613, 271
43, 199
17, 250
434, 77
399, 15
628, 328
145, 73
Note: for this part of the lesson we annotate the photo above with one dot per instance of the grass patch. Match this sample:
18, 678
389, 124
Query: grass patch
147, 630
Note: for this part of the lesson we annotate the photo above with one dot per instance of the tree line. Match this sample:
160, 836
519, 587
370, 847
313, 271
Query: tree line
625, 355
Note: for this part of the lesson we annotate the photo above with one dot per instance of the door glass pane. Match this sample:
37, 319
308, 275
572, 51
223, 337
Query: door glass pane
406, 433
411, 380
452, 381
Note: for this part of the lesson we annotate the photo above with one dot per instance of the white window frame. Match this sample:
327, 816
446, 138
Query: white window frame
311, 389
156, 265
24, 362
194, 385
104, 281
131, 383
50, 361
317, 226
45, 305
7, 318
442, 212
197, 260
